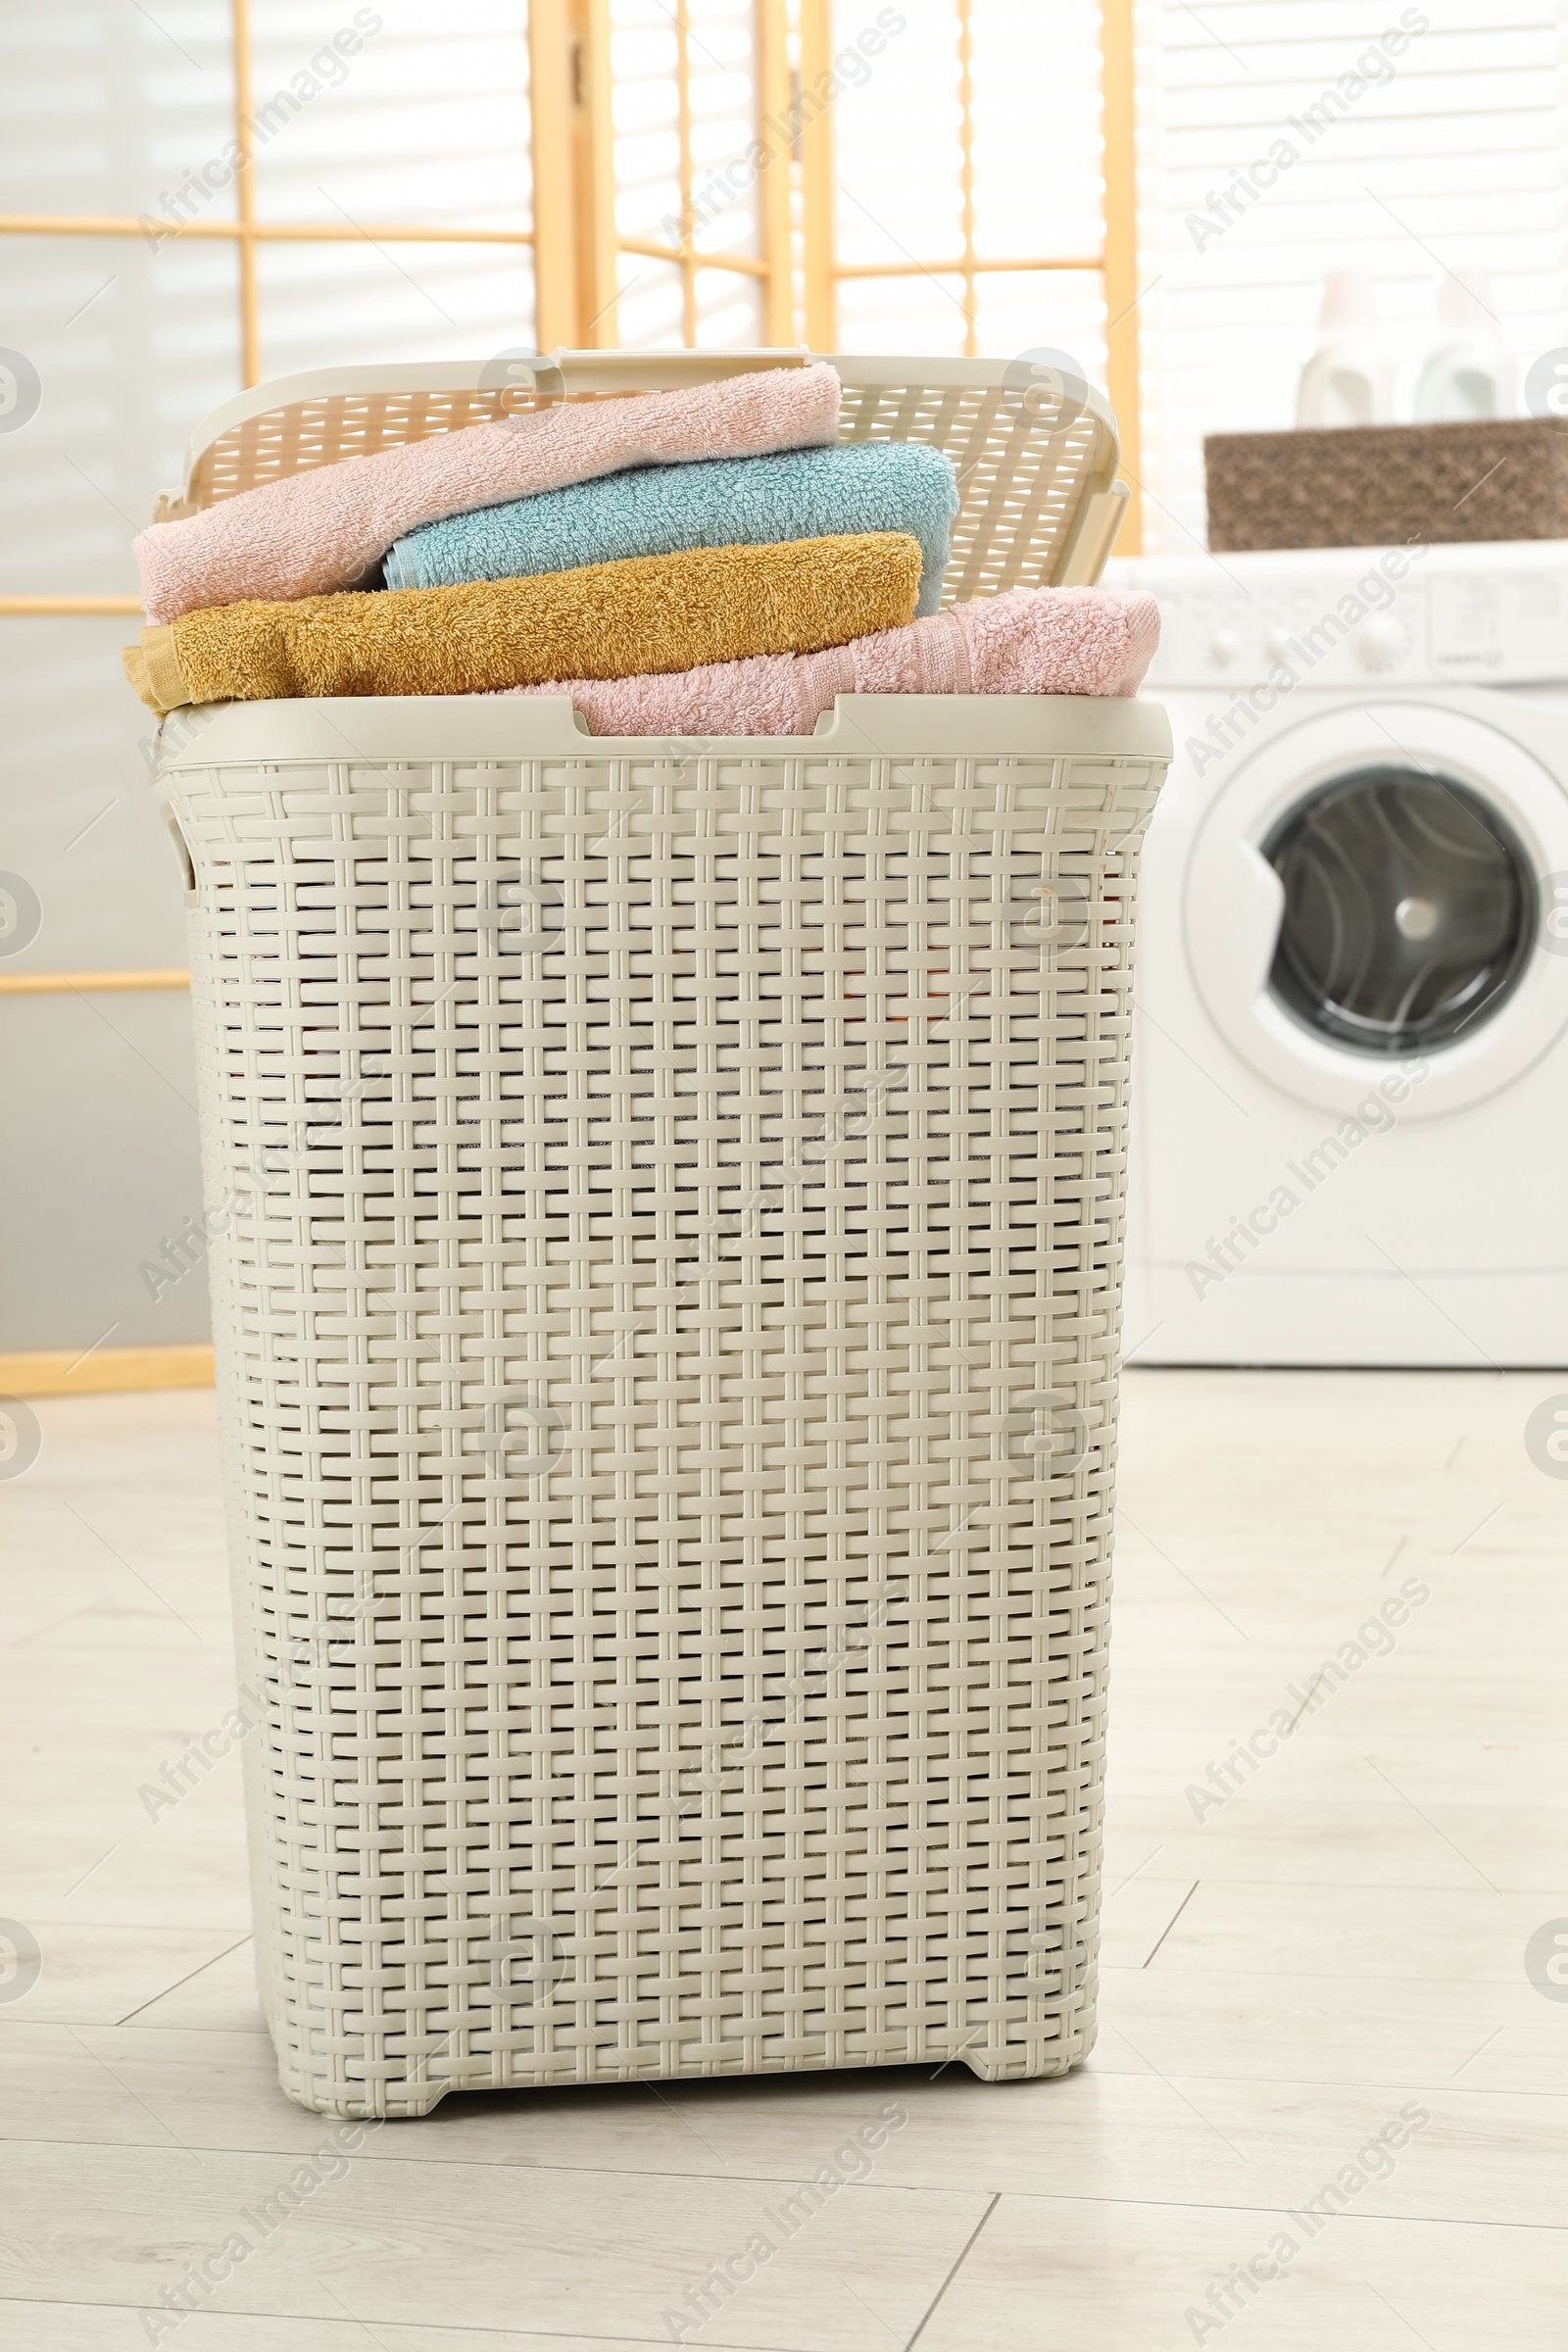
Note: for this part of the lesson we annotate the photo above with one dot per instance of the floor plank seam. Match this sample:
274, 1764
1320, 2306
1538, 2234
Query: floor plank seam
963, 2256
494, 2164
1171, 1922
355, 2329
188, 1978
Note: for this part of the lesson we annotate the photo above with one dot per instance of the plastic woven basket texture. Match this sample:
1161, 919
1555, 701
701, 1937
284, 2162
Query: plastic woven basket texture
1033, 455
668, 1333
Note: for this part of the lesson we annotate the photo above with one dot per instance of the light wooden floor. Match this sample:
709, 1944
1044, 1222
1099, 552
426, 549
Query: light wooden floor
1340, 1942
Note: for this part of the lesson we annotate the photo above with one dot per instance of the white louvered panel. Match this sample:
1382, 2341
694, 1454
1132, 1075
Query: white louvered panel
1455, 162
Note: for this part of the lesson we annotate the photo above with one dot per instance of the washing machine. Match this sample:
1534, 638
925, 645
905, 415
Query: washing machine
1350, 1124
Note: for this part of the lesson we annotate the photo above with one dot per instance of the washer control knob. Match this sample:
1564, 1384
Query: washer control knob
1223, 647
1277, 644
1379, 641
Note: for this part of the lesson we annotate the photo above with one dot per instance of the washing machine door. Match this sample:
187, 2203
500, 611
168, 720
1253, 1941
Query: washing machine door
1376, 890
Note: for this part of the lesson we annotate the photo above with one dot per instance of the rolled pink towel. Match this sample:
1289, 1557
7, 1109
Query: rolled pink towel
1028, 641
323, 530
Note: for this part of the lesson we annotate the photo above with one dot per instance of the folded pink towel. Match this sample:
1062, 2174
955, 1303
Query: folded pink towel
323, 530
1028, 641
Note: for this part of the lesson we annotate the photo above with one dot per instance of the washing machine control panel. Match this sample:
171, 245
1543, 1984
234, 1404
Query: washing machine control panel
1509, 625
1456, 616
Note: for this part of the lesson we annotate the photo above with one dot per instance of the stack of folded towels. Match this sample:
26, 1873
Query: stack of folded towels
712, 561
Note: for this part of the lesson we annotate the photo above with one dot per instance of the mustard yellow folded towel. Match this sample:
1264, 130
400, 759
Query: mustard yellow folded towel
606, 620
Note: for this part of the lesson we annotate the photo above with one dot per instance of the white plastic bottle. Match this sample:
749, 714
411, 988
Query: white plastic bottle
1350, 378
1470, 372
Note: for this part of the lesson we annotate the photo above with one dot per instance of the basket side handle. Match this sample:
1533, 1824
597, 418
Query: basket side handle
1094, 535
166, 809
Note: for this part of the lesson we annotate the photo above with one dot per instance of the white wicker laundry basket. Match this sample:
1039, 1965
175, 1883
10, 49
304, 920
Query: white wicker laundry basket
669, 1201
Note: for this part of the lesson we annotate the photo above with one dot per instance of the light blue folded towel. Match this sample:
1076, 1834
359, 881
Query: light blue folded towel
712, 501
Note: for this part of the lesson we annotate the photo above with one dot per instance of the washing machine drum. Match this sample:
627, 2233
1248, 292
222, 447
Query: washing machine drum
1409, 910
1377, 883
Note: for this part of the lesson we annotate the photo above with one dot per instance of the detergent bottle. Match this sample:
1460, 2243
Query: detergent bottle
1470, 372
1350, 378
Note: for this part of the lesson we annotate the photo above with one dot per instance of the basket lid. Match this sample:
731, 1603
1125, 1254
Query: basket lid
1034, 449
